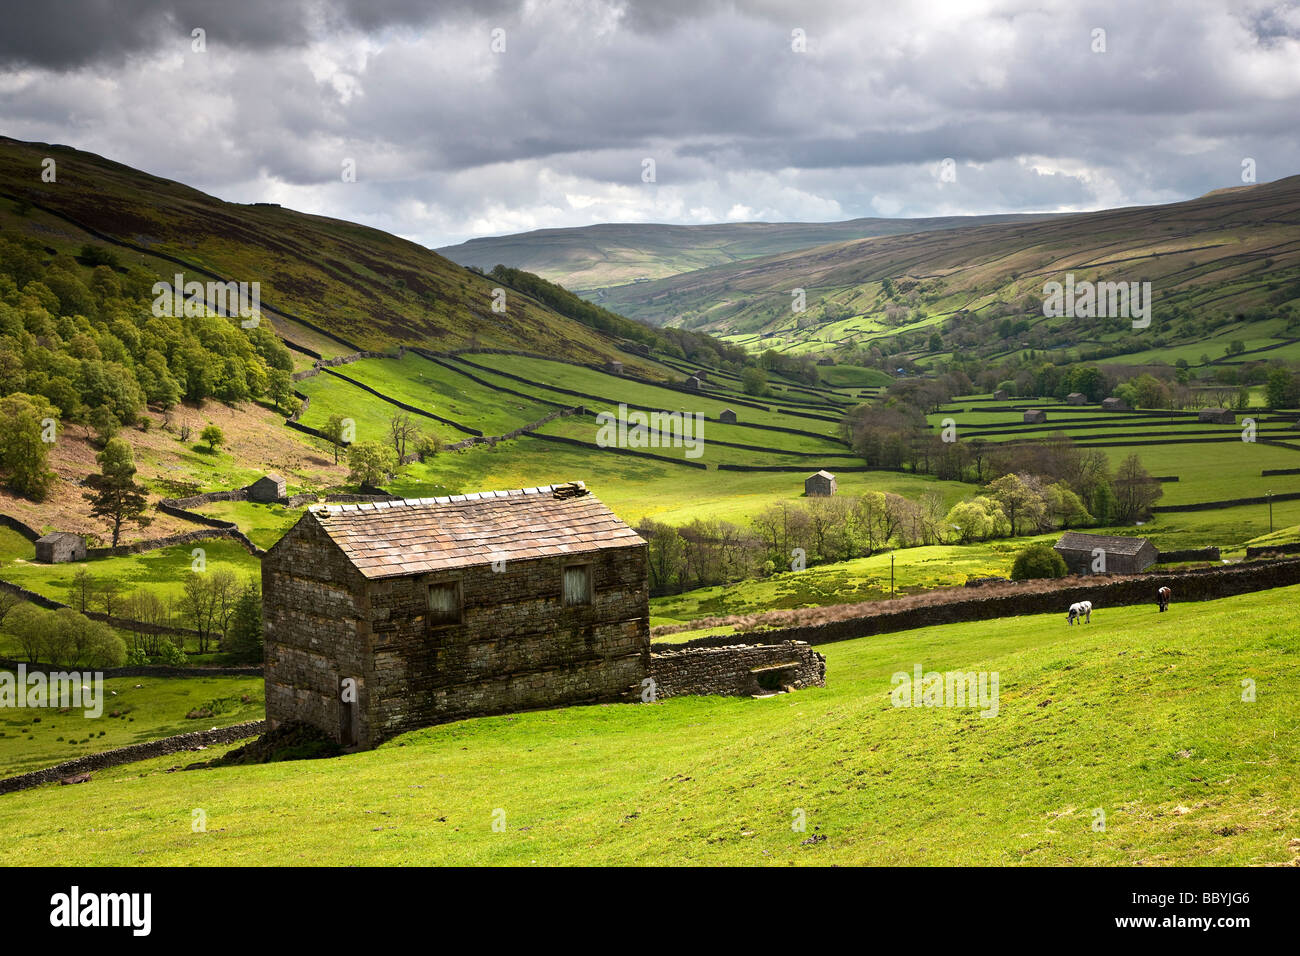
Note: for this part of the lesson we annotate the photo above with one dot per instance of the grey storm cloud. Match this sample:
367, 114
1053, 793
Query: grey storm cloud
452, 139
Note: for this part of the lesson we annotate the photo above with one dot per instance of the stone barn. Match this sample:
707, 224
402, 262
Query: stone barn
727, 417
1123, 555
59, 547
693, 383
1034, 416
381, 617
1001, 394
269, 487
1076, 398
614, 368
1217, 416
1114, 405
820, 485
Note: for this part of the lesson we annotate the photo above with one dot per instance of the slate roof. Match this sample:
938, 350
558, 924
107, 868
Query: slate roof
1110, 543
822, 474
54, 536
417, 535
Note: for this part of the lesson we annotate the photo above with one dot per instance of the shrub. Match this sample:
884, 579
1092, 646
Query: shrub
169, 656
1038, 561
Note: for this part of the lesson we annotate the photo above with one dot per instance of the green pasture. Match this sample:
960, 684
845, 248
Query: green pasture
162, 571
135, 709
636, 488
424, 384
1137, 715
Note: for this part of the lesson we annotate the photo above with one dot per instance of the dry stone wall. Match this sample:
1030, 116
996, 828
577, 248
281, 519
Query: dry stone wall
737, 670
1195, 584
132, 753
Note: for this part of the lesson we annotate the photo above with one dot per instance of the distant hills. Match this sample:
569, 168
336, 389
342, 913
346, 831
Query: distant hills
588, 258
1225, 266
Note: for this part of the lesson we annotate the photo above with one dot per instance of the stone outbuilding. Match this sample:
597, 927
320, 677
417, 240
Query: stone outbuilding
382, 617
1217, 416
727, 417
1035, 416
1076, 398
614, 367
693, 383
269, 487
820, 485
59, 547
1105, 553
1001, 394
1114, 405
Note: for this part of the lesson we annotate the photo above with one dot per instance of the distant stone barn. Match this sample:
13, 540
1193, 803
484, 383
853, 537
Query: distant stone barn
1076, 398
386, 616
693, 383
1114, 405
1035, 416
727, 417
269, 487
1217, 416
820, 485
1121, 554
59, 547
614, 367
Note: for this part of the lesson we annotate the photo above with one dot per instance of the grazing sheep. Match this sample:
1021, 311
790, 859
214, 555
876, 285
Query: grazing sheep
1162, 598
1081, 612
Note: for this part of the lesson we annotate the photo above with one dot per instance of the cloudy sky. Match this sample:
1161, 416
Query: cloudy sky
481, 117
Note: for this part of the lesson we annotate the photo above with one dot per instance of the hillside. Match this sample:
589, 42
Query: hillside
1138, 714
331, 286
1223, 267
590, 258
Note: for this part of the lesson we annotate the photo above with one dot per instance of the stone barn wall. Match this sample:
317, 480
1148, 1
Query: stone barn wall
312, 602
736, 671
517, 648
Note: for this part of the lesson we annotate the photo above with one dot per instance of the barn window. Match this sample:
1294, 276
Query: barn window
444, 603
577, 584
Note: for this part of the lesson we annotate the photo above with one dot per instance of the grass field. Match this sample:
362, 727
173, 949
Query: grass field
1139, 715
637, 487
163, 571
148, 708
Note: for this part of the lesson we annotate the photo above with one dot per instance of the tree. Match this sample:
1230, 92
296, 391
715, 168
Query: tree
1282, 389
1066, 507
1020, 501
104, 423
116, 496
1135, 491
279, 387
753, 381
81, 592
666, 553
1038, 561
25, 440
244, 638
977, 520
212, 436
198, 605
401, 430
334, 431
27, 624
370, 462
